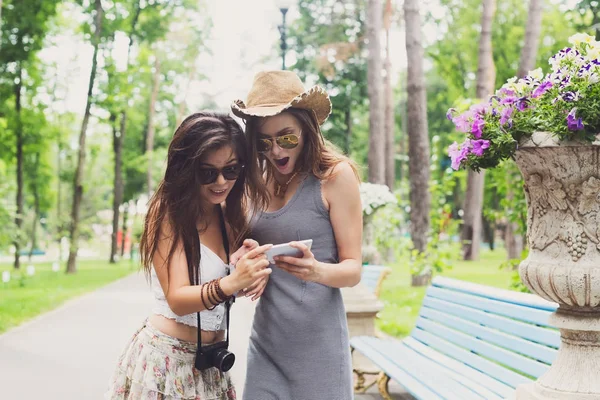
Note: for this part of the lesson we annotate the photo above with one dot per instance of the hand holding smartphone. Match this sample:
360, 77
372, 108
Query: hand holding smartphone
285, 249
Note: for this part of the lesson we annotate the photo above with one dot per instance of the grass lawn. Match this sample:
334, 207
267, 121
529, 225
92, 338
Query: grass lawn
25, 296
402, 302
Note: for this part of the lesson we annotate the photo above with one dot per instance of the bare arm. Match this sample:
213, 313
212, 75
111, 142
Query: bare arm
184, 298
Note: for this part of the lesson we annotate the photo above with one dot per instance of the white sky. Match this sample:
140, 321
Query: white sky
244, 40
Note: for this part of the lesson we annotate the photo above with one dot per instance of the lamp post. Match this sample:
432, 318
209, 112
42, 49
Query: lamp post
284, 6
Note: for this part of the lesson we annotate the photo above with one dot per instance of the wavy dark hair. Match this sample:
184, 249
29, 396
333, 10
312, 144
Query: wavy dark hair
319, 156
177, 199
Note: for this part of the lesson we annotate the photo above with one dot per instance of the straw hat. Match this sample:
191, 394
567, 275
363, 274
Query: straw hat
275, 91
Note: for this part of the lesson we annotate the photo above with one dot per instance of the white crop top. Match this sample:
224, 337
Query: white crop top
212, 267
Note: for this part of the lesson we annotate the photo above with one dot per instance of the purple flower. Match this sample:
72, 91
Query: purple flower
574, 123
506, 92
462, 122
508, 100
570, 96
477, 128
479, 109
458, 154
540, 90
523, 103
450, 113
505, 115
479, 146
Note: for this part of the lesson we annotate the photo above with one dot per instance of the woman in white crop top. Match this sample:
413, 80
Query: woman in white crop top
206, 186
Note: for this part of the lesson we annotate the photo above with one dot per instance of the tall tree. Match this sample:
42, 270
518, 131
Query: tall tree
390, 123
513, 238
486, 77
418, 139
22, 32
376, 156
151, 123
79, 172
533, 29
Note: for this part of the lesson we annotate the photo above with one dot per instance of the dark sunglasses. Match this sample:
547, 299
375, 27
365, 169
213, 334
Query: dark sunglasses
210, 175
286, 142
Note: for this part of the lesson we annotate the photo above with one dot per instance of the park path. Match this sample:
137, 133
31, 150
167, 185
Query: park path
69, 353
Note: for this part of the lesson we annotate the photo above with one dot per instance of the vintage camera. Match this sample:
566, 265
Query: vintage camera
215, 355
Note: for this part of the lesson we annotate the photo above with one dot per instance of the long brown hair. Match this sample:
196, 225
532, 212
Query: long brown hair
177, 199
319, 156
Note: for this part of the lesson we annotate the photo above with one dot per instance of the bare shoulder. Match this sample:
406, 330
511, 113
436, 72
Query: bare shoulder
342, 175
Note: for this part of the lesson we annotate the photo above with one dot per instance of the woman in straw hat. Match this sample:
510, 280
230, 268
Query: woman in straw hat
299, 343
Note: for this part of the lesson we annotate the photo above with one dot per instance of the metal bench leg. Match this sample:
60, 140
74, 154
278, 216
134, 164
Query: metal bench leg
360, 386
383, 382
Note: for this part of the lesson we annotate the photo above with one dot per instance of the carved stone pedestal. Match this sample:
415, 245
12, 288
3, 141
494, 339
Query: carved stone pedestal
361, 310
562, 185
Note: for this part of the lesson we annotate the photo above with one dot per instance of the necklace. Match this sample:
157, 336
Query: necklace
281, 189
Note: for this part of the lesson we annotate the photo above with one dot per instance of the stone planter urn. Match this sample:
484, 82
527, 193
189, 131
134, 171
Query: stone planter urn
562, 186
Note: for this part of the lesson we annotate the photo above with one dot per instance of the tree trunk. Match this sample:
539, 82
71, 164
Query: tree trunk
390, 153
59, 225
183, 104
513, 240
376, 156
19, 153
486, 76
36, 209
151, 129
348, 138
118, 136
78, 182
124, 230
418, 140
532, 38
488, 232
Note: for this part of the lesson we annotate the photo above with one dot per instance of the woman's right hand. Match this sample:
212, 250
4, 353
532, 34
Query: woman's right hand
251, 267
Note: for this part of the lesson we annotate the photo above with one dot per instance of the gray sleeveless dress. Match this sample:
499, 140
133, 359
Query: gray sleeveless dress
299, 342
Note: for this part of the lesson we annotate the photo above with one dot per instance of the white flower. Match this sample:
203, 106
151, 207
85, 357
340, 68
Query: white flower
5, 276
579, 38
30, 270
536, 74
593, 53
374, 196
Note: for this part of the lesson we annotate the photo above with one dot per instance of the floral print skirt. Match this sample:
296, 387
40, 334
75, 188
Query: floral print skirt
160, 367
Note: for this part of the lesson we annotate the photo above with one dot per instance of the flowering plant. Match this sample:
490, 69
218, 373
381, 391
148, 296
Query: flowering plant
564, 102
374, 196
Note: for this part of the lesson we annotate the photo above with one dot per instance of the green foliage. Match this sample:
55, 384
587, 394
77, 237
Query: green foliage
328, 40
25, 296
512, 266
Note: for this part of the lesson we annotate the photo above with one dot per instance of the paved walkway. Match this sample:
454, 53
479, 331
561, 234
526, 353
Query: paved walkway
69, 353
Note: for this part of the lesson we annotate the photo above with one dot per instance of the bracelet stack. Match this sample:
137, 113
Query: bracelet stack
214, 294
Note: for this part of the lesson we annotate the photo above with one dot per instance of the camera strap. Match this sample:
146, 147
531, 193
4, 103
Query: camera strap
228, 302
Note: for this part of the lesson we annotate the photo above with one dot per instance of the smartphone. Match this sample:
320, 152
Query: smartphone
285, 249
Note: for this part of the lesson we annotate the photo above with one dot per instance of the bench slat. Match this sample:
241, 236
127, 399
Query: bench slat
468, 389
506, 296
513, 360
420, 368
487, 367
488, 335
545, 336
473, 378
539, 317
411, 384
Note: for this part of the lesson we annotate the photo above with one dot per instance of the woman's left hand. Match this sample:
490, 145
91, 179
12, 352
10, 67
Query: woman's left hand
306, 267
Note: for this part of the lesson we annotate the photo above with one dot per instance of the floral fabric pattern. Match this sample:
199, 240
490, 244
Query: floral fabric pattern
155, 366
